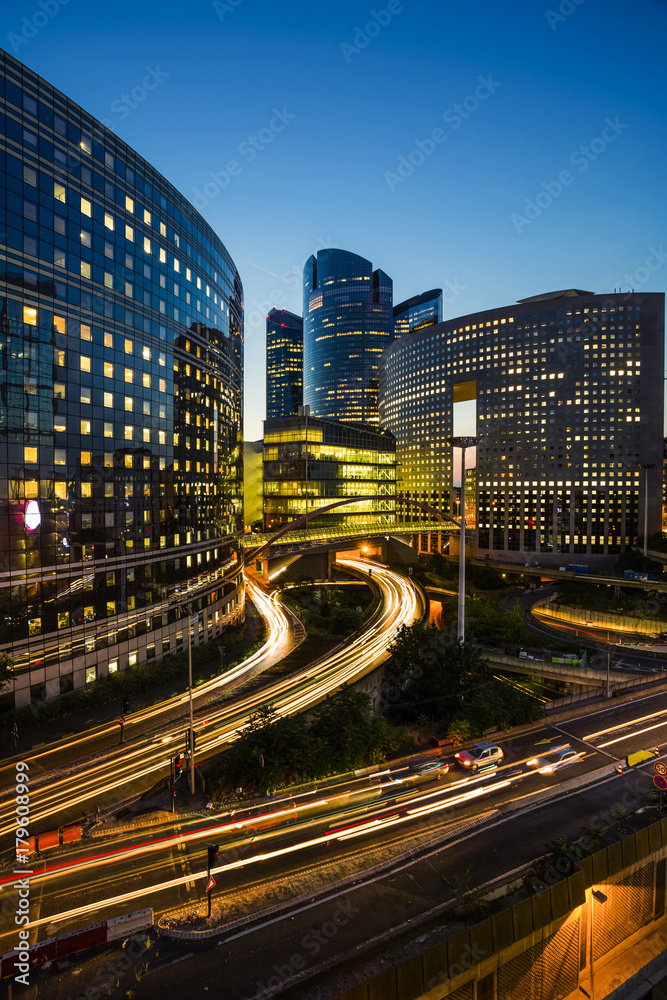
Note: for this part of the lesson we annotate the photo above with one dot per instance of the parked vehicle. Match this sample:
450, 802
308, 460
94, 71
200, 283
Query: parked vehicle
479, 756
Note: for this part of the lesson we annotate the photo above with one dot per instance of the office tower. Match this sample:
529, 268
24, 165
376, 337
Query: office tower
569, 402
310, 462
418, 312
284, 364
347, 323
121, 406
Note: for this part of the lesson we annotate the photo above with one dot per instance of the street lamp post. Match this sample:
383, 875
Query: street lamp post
191, 741
462, 443
645, 466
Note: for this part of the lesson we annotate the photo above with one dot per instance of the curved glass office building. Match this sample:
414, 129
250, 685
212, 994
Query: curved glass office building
121, 344
347, 323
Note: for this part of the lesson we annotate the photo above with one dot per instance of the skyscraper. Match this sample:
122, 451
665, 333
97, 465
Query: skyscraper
121, 338
347, 323
418, 312
284, 364
569, 398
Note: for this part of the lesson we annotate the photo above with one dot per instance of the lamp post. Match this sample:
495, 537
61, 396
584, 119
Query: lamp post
191, 742
462, 443
645, 466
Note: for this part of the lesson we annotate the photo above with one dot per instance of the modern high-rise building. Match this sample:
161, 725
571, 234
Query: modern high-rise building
284, 364
569, 409
347, 323
121, 339
309, 463
418, 312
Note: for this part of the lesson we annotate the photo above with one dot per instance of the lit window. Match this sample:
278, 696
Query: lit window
59, 390
86, 489
59, 424
163, 256
129, 233
85, 144
129, 375
129, 432
147, 435
108, 399
108, 430
59, 456
86, 207
129, 403
146, 379
30, 455
128, 346
147, 217
108, 369
86, 458
85, 269
84, 363
63, 619
108, 280
128, 289
162, 437
108, 220
59, 191
86, 238
85, 426
146, 353
30, 316
163, 385
129, 204
85, 332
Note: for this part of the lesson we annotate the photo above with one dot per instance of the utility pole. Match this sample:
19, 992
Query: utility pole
462, 443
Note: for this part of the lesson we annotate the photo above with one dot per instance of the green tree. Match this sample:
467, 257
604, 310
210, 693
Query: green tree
345, 732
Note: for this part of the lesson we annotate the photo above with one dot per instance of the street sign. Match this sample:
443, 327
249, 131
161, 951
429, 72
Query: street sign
659, 767
211, 881
660, 781
121, 722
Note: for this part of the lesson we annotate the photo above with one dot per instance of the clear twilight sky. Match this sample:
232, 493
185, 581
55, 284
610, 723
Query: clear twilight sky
319, 105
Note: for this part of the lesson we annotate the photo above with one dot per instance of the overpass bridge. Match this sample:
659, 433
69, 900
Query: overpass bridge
597, 577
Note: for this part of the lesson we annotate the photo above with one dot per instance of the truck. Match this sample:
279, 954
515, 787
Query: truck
631, 574
576, 568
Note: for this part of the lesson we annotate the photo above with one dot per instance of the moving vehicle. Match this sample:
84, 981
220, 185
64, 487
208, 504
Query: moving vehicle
480, 755
553, 760
429, 765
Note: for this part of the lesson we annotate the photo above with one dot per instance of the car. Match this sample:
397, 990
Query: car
480, 755
553, 760
429, 765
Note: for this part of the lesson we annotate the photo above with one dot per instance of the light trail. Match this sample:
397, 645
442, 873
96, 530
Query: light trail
625, 725
289, 696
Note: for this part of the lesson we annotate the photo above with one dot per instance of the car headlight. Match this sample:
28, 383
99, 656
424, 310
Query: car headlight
546, 770
532, 763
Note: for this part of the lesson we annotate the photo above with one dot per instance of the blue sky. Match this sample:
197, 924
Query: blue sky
535, 83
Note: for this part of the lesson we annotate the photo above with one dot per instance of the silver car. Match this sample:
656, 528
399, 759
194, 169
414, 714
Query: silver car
480, 755
553, 760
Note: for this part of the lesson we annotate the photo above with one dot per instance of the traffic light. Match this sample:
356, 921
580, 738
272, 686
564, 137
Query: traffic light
178, 761
126, 705
212, 854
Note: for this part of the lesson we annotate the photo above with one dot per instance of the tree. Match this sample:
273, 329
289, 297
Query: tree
6, 668
346, 729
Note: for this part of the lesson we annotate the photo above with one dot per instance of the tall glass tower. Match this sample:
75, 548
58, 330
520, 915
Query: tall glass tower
347, 324
121, 345
417, 312
284, 364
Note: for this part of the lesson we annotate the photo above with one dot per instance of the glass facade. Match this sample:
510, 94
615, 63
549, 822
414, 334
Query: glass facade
569, 397
284, 364
121, 345
309, 463
419, 311
347, 323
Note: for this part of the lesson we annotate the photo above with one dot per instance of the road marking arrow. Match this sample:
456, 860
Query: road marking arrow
550, 740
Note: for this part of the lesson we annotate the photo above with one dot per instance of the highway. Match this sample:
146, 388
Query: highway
120, 773
334, 825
